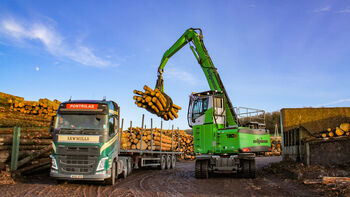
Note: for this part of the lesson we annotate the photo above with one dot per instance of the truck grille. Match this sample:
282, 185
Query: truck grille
77, 160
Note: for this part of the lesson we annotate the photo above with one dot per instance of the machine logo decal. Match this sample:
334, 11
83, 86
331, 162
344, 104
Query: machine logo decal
259, 141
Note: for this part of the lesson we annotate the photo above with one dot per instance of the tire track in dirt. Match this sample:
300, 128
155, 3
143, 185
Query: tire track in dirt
152, 182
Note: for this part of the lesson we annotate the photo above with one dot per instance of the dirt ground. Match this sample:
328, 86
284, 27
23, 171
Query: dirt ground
176, 182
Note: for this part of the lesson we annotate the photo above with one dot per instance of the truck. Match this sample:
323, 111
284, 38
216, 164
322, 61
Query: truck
222, 144
86, 143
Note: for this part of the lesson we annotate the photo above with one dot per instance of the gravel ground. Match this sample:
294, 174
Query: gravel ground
175, 182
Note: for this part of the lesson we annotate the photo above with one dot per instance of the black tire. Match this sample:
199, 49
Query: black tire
252, 169
129, 166
60, 181
198, 169
125, 170
205, 171
245, 168
162, 162
173, 161
111, 180
168, 162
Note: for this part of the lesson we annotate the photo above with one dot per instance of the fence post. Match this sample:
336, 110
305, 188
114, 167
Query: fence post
143, 119
161, 132
172, 137
15, 147
152, 136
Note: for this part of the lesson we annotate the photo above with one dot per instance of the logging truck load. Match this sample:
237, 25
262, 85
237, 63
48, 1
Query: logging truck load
221, 143
89, 143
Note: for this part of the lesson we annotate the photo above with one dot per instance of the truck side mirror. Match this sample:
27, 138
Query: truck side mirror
52, 124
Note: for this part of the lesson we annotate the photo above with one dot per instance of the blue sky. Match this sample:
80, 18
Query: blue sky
270, 54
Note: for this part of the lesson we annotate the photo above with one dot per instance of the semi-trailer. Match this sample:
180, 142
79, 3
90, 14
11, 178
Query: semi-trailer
86, 142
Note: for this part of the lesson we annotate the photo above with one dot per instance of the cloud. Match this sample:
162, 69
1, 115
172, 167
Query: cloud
52, 41
334, 102
344, 11
177, 74
322, 9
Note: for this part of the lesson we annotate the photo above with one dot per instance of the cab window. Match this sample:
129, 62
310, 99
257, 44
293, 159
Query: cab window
111, 124
199, 108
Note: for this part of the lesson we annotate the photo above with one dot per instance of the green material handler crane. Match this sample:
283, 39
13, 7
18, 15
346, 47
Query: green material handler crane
221, 143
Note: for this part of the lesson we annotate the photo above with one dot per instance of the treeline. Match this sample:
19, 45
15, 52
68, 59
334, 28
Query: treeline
271, 119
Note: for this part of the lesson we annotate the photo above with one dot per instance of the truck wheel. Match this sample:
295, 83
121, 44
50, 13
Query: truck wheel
111, 180
205, 172
162, 162
129, 166
252, 168
125, 171
173, 161
245, 168
198, 169
168, 162
60, 181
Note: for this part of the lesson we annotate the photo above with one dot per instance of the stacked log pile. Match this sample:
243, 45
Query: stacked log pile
342, 130
156, 102
35, 142
186, 145
276, 146
169, 140
34, 150
135, 139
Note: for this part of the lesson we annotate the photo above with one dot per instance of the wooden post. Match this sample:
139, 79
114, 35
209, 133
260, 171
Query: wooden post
178, 138
172, 137
161, 132
143, 118
152, 135
15, 147
307, 146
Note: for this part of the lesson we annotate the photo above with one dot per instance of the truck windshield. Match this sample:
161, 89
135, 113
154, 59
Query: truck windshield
81, 122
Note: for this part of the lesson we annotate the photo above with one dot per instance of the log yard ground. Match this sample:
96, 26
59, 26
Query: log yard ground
177, 182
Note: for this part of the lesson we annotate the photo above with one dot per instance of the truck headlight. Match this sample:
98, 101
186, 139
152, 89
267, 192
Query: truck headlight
101, 164
54, 163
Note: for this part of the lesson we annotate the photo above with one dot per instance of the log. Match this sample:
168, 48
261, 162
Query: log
31, 167
34, 155
335, 180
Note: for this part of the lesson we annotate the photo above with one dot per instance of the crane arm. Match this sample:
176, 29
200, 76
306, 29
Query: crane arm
204, 60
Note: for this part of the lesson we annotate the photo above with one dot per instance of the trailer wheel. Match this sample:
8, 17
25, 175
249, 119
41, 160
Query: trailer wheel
245, 168
129, 166
205, 172
173, 161
198, 169
168, 162
252, 169
111, 180
125, 170
162, 162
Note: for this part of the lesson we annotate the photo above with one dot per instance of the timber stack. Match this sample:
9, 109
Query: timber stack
156, 102
33, 118
342, 130
186, 146
136, 138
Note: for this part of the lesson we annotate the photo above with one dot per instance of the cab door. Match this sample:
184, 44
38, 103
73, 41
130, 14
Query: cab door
197, 108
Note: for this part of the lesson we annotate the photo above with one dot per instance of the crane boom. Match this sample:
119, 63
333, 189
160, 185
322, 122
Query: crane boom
204, 60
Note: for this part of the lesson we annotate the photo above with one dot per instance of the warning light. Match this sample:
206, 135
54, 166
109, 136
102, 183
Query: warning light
246, 149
